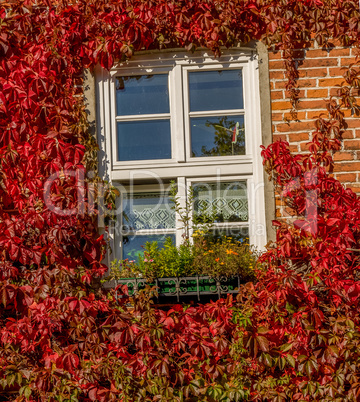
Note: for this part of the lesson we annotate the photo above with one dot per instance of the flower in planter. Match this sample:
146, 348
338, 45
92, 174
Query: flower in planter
206, 257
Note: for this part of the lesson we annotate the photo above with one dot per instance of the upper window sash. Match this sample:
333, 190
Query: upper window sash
215, 117
177, 68
162, 123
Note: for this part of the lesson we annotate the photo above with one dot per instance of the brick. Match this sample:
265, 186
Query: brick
278, 137
277, 95
317, 53
343, 156
301, 93
330, 82
281, 105
306, 82
312, 72
299, 115
353, 145
336, 71
277, 116
334, 91
294, 148
276, 75
340, 52
275, 55
357, 133
280, 84
348, 134
345, 61
353, 123
315, 114
354, 189
319, 62
297, 126
312, 104
304, 146
346, 177
299, 137
347, 166
317, 93
276, 65
347, 113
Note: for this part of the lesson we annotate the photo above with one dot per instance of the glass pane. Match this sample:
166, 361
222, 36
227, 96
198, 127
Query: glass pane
148, 211
133, 245
217, 136
216, 90
142, 140
240, 234
226, 202
142, 94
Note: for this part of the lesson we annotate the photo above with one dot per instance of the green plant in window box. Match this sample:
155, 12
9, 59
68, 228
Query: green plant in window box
168, 261
203, 255
224, 257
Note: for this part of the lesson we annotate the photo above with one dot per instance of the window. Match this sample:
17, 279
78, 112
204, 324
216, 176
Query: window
192, 119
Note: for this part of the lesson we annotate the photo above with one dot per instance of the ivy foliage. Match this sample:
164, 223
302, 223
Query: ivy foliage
61, 339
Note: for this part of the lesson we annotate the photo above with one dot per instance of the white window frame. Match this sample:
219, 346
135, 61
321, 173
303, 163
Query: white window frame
146, 188
182, 166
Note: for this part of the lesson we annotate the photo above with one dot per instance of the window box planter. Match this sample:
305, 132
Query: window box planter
181, 287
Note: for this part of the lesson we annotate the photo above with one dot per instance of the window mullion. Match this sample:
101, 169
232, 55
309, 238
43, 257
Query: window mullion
177, 113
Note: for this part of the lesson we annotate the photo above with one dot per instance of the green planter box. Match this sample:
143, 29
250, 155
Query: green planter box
185, 286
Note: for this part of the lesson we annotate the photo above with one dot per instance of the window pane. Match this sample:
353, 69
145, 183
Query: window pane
217, 136
142, 94
133, 245
142, 140
226, 202
216, 90
148, 211
240, 234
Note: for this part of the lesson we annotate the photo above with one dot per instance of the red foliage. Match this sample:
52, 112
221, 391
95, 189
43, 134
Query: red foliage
303, 339
60, 338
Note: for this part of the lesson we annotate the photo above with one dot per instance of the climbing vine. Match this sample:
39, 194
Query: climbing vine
61, 337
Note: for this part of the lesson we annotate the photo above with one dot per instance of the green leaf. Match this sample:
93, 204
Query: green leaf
27, 392
291, 360
285, 347
263, 343
262, 330
311, 366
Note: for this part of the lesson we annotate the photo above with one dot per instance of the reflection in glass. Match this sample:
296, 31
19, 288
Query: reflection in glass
217, 136
142, 94
142, 140
215, 90
226, 202
133, 245
148, 211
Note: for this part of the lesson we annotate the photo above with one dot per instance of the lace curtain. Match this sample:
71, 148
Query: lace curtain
148, 211
228, 201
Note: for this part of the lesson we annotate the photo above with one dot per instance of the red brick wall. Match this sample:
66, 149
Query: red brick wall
319, 72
